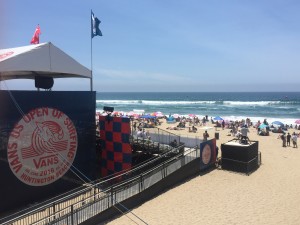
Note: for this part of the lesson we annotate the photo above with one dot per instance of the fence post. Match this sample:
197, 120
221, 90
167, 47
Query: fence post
111, 196
72, 220
94, 190
163, 170
53, 211
141, 186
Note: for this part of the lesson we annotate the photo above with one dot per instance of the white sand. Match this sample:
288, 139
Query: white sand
270, 195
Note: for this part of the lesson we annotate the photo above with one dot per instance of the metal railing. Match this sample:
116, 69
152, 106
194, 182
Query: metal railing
97, 197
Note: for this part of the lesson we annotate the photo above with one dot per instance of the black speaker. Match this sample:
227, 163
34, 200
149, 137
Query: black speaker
43, 82
108, 109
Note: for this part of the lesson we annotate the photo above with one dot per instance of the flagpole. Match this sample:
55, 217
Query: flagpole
95, 31
91, 64
91, 81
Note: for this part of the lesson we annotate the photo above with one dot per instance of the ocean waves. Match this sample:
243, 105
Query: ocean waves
148, 102
200, 103
240, 105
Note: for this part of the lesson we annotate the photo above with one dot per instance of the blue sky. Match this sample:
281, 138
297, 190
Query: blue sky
153, 45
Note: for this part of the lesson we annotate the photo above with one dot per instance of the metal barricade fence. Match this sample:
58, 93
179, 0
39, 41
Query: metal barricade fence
94, 201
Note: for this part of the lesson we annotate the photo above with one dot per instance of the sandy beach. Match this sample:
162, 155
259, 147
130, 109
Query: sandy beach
270, 195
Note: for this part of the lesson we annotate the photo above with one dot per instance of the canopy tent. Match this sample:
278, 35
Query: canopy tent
43, 59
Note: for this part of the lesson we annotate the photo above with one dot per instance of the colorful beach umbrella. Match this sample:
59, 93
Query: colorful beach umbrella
175, 115
191, 115
133, 114
147, 117
262, 126
218, 118
297, 121
104, 114
158, 114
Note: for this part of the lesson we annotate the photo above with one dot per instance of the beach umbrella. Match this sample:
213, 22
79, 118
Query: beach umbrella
147, 117
262, 126
297, 121
115, 113
218, 118
158, 114
176, 115
104, 114
133, 114
191, 115
278, 123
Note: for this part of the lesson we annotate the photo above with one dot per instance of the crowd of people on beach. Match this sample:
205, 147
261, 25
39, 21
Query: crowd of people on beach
238, 129
286, 139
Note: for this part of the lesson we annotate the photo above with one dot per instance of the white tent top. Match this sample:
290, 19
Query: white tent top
43, 59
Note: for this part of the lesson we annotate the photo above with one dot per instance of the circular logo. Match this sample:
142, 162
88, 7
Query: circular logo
4, 55
206, 154
42, 146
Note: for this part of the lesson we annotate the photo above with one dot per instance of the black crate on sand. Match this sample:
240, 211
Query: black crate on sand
237, 157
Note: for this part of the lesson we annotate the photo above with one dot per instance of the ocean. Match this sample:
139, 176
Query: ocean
273, 106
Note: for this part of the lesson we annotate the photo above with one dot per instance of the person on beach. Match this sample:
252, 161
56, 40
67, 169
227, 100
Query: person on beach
283, 138
234, 130
193, 129
288, 139
294, 139
204, 120
223, 125
244, 132
205, 136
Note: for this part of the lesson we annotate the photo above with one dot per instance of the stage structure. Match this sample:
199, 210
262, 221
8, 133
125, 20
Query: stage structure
47, 140
244, 158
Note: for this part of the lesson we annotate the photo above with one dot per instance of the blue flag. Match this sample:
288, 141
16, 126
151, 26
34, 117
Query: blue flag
95, 26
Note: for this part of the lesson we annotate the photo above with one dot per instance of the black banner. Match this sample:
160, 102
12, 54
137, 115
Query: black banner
47, 144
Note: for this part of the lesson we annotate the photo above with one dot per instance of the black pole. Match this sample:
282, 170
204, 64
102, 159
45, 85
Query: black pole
91, 83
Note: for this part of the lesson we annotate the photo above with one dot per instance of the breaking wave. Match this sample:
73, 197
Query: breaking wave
233, 103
